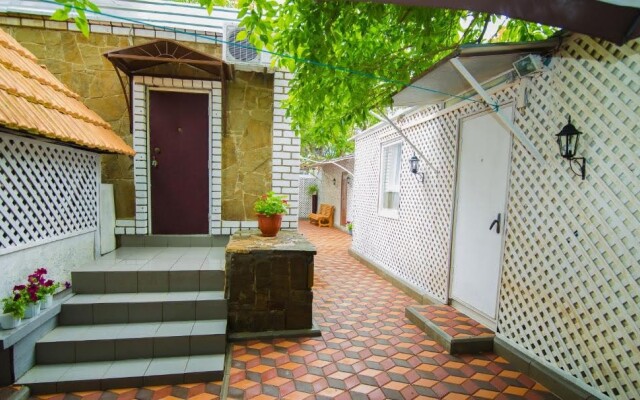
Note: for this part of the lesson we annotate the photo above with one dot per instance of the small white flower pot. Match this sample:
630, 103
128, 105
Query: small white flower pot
32, 310
46, 302
8, 321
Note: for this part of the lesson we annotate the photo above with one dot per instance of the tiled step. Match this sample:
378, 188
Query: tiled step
122, 308
153, 277
450, 328
104, 375
69, 344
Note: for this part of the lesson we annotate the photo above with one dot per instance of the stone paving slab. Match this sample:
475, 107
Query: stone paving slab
368, 350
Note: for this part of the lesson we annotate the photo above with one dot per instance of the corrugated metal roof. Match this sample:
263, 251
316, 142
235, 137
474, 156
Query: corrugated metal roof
484, 61
156, 13
34, 101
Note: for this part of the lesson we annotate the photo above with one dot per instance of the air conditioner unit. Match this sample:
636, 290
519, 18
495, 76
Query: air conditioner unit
241, 53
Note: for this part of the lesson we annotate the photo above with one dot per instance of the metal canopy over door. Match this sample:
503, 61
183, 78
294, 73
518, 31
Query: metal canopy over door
483, 178
179, 162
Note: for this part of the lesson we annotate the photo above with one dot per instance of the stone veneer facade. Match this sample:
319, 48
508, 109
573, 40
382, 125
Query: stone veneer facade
251, 161
269, 282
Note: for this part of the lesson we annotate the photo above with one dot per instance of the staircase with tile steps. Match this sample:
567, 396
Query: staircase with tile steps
450, 328
140, 317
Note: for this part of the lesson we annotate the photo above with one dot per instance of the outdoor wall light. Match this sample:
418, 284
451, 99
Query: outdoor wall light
334, 181
568, 144
414, 164
348, 180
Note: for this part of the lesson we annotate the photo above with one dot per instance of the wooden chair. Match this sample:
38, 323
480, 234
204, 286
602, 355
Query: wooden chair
324, 217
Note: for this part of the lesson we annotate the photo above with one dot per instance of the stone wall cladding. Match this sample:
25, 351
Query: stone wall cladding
269, 282
247, 144
286, 151
78, 63
568, 298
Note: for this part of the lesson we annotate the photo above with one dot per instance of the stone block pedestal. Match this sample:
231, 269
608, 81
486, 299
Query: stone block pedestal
269, 281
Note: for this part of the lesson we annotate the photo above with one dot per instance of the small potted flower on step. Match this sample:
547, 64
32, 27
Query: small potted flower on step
12, 311
46, 287
46, 291
269, 208
350, 227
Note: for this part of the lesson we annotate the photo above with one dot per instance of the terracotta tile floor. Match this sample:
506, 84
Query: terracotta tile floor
453, 323
368, 350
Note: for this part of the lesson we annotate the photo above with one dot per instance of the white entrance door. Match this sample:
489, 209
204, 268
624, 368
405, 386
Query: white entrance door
483, 176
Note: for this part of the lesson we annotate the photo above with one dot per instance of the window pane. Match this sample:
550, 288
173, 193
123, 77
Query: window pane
390, 185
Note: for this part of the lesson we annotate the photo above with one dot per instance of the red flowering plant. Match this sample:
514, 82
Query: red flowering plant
271, 204
36, 288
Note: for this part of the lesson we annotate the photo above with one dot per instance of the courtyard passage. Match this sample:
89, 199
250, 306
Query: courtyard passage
368, 348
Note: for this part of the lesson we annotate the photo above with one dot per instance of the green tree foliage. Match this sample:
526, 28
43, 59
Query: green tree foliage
351, 57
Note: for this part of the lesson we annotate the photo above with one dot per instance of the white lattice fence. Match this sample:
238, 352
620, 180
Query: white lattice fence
305, 198
572, 257
47, 192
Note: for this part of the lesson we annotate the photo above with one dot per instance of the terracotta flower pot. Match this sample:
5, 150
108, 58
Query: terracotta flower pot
269, 224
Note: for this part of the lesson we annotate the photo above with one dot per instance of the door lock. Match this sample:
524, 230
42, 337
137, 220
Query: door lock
496, 222
154, 163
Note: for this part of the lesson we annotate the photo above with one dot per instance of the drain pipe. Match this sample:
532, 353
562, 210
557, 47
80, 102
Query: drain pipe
384, 118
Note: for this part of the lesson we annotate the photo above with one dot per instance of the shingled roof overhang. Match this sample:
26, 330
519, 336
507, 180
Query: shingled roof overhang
169, 59
33, 101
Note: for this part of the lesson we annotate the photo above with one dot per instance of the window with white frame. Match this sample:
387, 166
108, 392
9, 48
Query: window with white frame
391, 157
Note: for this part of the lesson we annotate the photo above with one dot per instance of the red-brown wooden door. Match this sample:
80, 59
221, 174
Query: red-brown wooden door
179, 159
343, 199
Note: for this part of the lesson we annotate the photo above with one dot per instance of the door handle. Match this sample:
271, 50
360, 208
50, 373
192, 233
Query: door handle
496, 222
154, 162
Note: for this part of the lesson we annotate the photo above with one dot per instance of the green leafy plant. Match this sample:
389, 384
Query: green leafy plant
271, 204
350, 225
312, 190
14, 305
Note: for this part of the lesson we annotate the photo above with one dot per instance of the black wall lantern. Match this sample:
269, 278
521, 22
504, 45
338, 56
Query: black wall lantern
568, 144
334, 181
414, 163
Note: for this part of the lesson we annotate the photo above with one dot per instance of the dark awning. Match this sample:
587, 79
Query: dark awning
166, 58
617, 21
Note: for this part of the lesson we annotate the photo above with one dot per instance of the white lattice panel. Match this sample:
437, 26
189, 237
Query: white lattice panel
305, 198
47, 192
572, 257
571, 267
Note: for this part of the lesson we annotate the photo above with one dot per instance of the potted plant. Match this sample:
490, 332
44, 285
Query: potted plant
13, 308
31, 293
313, 192
269, 208
350, 227
46, 291
46, 287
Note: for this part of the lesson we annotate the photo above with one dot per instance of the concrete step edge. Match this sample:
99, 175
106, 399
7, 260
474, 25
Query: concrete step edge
105, 375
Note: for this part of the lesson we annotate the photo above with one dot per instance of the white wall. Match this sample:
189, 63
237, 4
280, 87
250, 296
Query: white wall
330, 193
49, 208
570, 300
58, 257
305, 198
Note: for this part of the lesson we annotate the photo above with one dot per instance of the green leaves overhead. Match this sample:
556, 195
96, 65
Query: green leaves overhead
349, 57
